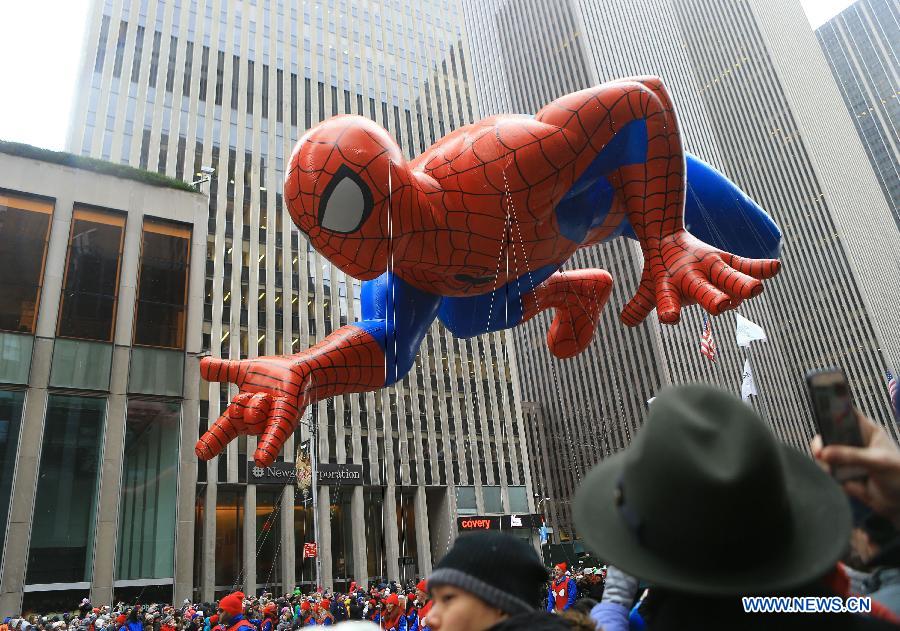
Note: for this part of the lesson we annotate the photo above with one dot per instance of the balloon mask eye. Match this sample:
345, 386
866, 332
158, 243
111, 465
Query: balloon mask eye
346, 202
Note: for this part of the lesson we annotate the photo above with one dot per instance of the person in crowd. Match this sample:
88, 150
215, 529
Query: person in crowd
269, 617
307, 616
488, 580
423, 606
394, 618
323, 613
133, 622
563, 590
875, 544
231, 613
706, 505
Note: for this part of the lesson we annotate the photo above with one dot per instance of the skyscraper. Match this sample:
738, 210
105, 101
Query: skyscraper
173, 86
738, 111
860, 46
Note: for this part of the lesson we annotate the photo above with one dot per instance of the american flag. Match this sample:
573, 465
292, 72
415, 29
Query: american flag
707, 344
894, 392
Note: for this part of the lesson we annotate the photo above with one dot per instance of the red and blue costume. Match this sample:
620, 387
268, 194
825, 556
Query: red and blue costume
474, 231
563, 591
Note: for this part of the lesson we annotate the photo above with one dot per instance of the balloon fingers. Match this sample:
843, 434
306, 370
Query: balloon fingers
218, 436
214, 369
639, 307
761, 269
734, 282
280, 426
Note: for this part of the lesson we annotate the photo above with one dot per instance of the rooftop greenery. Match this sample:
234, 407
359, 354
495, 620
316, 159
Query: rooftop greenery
92, 164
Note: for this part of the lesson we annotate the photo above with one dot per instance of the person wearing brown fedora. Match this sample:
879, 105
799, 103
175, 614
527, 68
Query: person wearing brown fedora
707, 505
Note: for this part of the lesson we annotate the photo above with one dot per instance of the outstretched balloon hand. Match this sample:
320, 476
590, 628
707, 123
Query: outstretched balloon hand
681, 270
274, 391
270, 402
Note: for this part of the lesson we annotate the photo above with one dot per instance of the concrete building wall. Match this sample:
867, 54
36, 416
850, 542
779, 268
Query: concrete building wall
67, 188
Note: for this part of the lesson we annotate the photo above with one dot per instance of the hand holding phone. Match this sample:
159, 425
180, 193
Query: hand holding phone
835, 416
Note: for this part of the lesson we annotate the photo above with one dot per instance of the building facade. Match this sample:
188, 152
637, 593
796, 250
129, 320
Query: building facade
177, 85
860, 46
729, 85
100, 336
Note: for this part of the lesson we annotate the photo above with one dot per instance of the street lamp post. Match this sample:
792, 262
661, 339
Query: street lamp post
314, 459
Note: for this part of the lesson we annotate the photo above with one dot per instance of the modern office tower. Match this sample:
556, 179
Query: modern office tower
860, 46
175, 86
733, 70
101, 272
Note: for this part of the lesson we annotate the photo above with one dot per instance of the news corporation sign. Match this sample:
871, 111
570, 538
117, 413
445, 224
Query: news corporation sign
286, 473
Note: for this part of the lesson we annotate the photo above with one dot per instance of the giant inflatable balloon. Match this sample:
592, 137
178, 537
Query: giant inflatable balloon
474, 232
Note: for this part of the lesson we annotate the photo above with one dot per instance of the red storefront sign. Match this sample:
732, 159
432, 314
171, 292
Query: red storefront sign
310, 551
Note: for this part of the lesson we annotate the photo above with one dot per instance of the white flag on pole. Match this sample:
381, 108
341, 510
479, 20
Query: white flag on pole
748, 386
748, 331
651, 400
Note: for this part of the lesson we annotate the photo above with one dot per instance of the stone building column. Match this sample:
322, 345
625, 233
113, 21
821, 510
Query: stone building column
391, 535
250, 540
187, 482
208, 553
423, 537
18, 532
288, 539
323, 514
360, 570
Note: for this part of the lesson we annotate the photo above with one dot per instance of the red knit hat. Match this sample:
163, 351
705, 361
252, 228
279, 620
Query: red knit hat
120, 619
304, 606
232, 603
214, 619
269, 608
392, 600
421, 586
562, 566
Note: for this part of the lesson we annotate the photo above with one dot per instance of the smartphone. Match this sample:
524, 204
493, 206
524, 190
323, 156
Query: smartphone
835, 415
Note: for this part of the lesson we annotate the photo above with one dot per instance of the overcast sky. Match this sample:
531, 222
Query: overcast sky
40, 49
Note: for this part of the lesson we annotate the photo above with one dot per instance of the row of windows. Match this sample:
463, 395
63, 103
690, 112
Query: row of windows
91, 278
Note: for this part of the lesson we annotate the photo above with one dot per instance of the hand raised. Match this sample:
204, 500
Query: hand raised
270, 402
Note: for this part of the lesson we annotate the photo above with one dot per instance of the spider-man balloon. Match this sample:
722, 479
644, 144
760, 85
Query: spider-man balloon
474, 232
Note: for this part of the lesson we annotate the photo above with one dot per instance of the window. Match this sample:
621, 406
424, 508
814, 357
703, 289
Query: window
162, 286
24, 231
229, 534
268, 536
518, 499
149, 485
62, 531
465, 500
90, 287
10, 422
154, 58
492, 502
170, 72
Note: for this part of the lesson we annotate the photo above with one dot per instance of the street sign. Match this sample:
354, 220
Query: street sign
406, 561
310, 551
